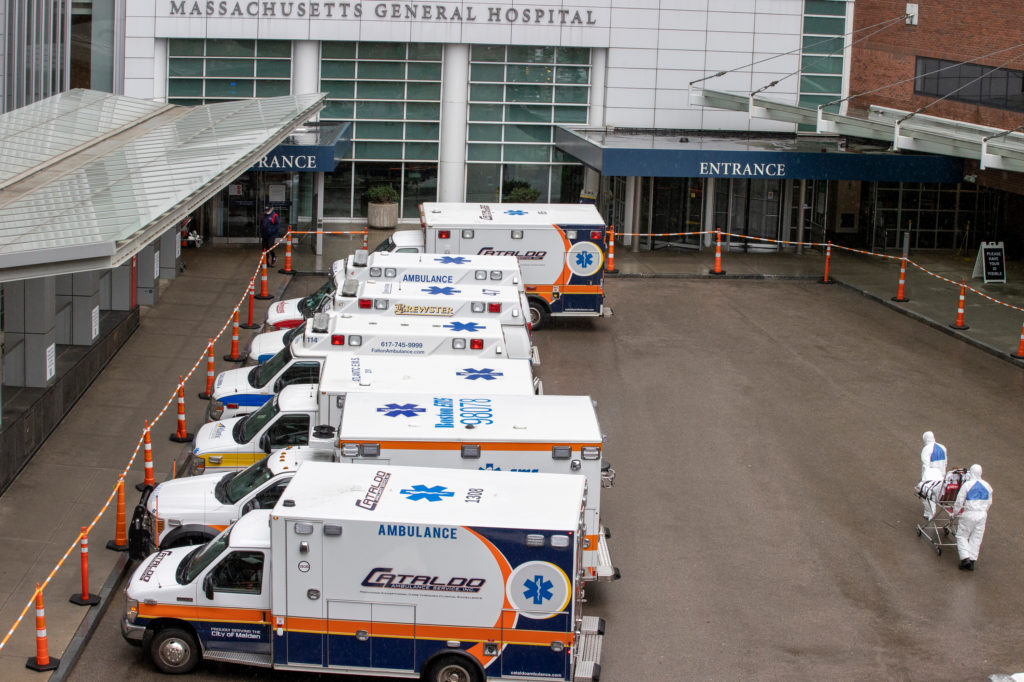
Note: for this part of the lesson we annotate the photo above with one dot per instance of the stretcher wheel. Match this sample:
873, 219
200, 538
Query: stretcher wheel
938, 551
919, 531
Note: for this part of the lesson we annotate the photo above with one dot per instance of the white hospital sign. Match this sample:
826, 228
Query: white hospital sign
404, 11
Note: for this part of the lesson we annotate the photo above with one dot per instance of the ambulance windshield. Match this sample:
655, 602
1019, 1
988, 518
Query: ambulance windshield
248, 426
311, 304
261, 375
386, 245
232, 488
193, 564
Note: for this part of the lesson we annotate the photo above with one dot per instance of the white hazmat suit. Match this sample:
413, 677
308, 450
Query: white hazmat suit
933, 456
972, 505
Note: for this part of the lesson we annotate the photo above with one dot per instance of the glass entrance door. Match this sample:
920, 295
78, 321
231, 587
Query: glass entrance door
241, 210
676, 210
749, 207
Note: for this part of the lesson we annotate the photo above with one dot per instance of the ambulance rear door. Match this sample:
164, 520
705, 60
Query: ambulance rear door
581, 281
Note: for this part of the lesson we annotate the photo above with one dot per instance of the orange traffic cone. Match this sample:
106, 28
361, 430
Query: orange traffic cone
120, 541
959, 324
828, 263
1020, 346
264, 294
250, 324
718, 254
147, 444
42, 660
208, 393
234, 355
900, 297
181, 435
287, 269
86, 598
610, 267
366, 238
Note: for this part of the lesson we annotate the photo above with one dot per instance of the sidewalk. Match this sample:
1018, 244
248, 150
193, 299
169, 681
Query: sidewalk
72, 475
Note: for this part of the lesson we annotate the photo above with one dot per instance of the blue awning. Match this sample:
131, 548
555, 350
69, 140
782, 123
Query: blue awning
703, 154
310, 149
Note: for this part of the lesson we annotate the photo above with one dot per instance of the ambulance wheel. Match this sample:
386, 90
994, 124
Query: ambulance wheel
174, 650
539, 315
454, 669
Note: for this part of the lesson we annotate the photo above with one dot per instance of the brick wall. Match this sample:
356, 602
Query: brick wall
958, 30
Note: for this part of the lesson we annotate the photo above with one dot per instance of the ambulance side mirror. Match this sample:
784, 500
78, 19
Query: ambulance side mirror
265, 443
208, 585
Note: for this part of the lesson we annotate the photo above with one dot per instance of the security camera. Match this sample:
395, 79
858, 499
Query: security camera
972, 177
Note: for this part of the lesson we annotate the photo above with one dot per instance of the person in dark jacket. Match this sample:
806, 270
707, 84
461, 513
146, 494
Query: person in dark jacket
269, 226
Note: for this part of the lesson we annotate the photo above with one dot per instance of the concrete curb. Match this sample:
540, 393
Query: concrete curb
944, 328
91, 620
665, 275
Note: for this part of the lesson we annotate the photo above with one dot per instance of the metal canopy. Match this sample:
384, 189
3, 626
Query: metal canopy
91, 178
904, 130
668, 153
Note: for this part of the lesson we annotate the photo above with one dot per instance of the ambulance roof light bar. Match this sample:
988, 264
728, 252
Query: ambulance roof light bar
320, 323
359, 258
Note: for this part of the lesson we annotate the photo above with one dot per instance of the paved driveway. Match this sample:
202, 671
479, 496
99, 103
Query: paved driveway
766, 438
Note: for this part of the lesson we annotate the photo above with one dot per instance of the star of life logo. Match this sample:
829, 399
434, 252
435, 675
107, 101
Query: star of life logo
406, 410
486, 374
538, 590
431, 494
464, 326
452, 260
584, 259
441, 291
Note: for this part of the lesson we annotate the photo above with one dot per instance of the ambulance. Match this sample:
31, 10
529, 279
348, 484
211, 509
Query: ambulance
404, 572
432, 268
560, 247
242, 390
292, 312
298, 412
401, 268
503, 303
192, 510
520, 433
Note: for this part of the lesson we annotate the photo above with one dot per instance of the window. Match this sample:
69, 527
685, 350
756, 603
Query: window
973, 83
821, 59
292, 429
207, 71
239, 572
517, 94
392, 93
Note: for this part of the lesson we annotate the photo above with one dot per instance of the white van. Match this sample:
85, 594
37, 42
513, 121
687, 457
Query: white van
561, 249
407, 572
242, 390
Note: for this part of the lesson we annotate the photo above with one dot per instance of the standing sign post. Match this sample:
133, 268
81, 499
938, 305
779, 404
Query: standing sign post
990, 263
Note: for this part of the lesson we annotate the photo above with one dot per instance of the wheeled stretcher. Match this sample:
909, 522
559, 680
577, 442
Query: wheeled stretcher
940, 529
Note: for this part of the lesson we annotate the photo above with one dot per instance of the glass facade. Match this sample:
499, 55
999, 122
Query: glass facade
392, 93
821, 59
209, 71
938, 216
516, 97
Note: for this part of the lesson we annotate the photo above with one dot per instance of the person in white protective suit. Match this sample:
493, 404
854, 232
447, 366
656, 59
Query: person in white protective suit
929, 487
933, 456
972, 505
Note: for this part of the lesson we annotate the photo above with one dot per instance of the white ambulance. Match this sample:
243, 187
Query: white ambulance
298, 411
406, 572
519, 433
432, 268
503, 303
561, 249
291, 313
401, 268
242, 390
192, 510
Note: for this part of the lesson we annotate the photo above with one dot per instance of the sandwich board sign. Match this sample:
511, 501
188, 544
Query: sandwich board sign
991, 262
